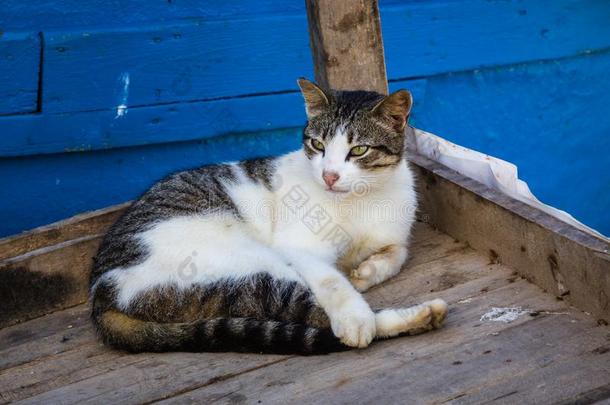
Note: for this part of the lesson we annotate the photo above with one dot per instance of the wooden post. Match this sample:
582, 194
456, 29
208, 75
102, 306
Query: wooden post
346, 44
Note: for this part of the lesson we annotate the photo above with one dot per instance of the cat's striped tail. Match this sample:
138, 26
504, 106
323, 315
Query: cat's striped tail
219, 334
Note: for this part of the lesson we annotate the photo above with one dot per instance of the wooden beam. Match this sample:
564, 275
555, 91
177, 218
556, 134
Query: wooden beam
558, 257
46, 280
82, 225
47, 268
346, 44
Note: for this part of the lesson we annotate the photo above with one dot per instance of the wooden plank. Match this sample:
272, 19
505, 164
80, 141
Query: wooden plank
425, 38
46, 280
518, 351
60, 14
577, 376
399, 368
89, 223
36, 262
41, 184
558, 257
44, 353
108, 376
519, 25
61, 349
19, 67
98, 130
85, 131
177, 62
48, 376
346, 44
422, 39
45, 337
155, 375
66, 367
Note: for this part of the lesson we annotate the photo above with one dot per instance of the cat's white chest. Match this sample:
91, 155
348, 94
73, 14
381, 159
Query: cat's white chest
345, 229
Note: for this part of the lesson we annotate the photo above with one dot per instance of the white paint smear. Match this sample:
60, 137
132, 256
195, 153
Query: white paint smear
505, 315
121, 109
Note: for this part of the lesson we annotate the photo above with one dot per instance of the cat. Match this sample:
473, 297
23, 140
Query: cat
270, 255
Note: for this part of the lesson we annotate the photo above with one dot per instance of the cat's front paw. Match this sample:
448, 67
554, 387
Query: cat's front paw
354, 325
380, 266
364, 276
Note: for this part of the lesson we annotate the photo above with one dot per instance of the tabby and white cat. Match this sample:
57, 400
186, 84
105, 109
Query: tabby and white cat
270, 255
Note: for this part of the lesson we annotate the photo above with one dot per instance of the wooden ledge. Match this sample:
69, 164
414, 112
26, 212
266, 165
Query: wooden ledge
560, 258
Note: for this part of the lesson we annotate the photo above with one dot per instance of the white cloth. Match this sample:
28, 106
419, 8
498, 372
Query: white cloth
493, 172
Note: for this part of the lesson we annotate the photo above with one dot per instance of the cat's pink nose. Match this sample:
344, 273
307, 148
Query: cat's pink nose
330, 178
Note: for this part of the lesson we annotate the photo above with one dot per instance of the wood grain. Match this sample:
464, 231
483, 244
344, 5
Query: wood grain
83, 225
49, 15
47, 269
68, 337
558, 257
465, 356
100, 130
346, 44
19, 67
194, 60
46, 280
160, 124
56, 358
421, 39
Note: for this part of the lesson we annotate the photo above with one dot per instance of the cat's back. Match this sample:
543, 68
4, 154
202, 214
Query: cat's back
200, 192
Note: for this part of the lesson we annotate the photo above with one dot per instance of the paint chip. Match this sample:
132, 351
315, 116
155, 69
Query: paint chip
505, 315
121, 109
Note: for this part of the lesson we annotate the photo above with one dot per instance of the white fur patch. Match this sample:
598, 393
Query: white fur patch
186, 251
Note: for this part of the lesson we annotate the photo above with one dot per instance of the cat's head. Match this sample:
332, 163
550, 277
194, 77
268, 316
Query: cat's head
354, 140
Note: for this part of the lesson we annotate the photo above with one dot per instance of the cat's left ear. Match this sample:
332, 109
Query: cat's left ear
395, 109
316, 100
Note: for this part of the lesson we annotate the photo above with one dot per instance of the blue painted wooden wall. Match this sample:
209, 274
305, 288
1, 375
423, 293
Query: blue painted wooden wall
206, 81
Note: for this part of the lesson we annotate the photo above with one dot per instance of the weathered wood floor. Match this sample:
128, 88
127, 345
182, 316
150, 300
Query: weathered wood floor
553, 354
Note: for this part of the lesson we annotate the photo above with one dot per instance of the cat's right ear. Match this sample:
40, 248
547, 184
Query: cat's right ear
316, 101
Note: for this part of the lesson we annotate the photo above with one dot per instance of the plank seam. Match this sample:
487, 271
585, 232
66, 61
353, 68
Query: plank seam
178, 102
589, 52
214, 380
40, 73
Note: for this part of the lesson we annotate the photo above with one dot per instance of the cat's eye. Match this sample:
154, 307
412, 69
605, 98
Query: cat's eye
317, 145
358, 150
